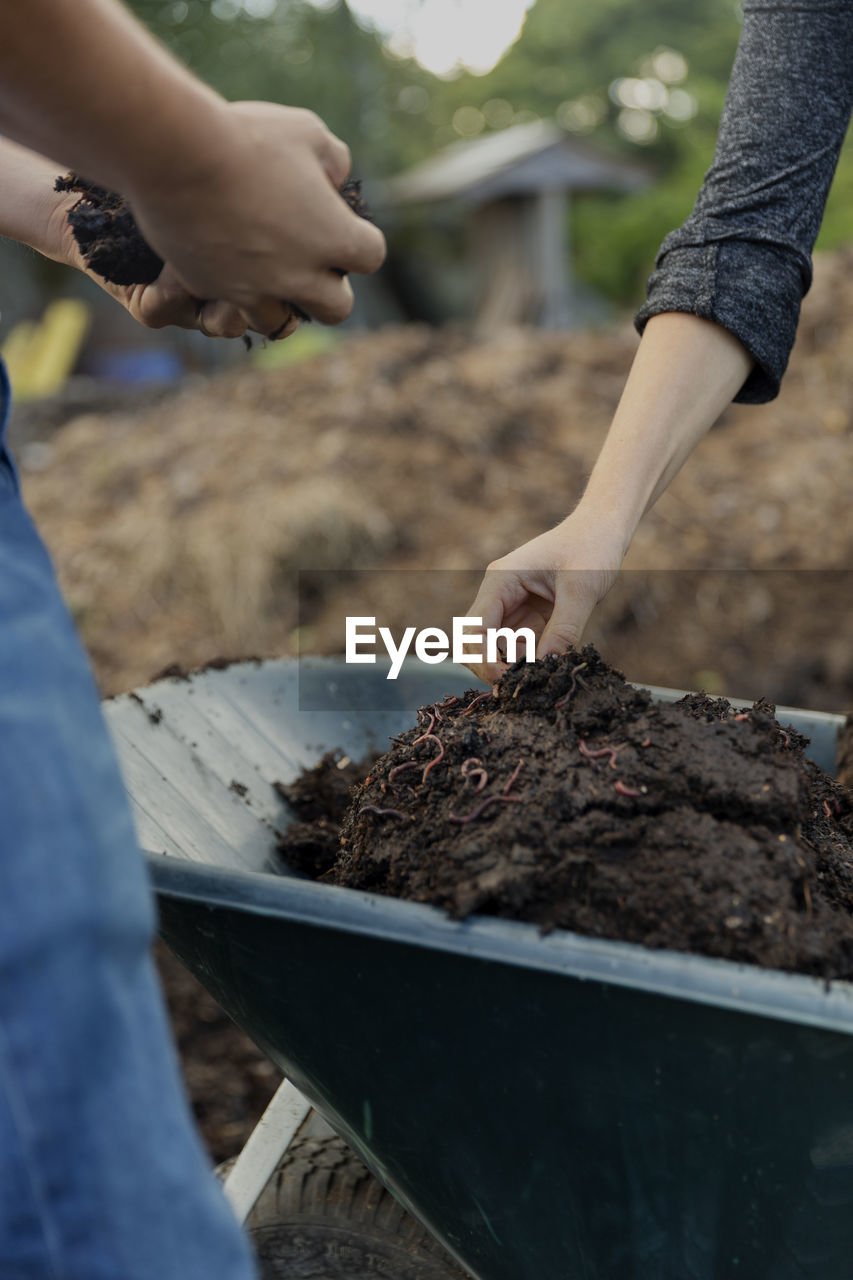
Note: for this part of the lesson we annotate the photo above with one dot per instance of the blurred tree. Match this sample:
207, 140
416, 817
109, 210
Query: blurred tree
576, 54
308, 55
648, 77
644, 78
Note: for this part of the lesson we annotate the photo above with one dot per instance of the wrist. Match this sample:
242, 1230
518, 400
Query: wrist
176, 160
29, 206
607, 522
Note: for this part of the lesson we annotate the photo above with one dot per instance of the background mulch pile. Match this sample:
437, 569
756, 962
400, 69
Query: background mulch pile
179, 529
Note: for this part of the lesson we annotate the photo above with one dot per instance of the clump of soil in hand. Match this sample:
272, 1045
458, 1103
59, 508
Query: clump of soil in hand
570, 799
112, 244
107, 235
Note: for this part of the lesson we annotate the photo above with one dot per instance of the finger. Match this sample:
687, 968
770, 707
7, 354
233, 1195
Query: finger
364, 248
328, 298
336, 158
491, 672
166, 301
573, 605
221, 320
501, 594
531, 615
489, 607
290, 326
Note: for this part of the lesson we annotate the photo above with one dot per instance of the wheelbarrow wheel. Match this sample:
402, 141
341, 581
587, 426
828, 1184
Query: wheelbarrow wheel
323, 1216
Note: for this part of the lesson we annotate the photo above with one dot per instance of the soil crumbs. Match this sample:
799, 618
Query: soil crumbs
568, 798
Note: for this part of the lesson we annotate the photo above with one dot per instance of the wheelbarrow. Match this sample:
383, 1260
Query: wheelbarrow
547, 1107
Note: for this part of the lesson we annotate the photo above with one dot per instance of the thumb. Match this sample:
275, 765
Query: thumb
166, 302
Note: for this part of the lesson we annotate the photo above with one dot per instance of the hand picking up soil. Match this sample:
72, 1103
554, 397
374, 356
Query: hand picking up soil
111, 242
570, 799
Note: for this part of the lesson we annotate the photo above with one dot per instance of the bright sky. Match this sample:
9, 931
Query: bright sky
446, 34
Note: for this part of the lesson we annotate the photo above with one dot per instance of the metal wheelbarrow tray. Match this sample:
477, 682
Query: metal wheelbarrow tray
549, 1107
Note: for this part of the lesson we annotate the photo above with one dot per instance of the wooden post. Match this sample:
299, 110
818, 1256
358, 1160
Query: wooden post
518, 253
552, 260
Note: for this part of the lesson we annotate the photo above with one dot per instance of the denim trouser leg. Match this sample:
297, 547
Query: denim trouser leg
102, 1176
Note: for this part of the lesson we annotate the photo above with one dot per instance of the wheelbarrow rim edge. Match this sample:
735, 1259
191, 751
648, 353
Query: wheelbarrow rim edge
742, 988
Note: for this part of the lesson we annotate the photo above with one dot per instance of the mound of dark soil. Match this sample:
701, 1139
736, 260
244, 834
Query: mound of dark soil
570, 799
320, 798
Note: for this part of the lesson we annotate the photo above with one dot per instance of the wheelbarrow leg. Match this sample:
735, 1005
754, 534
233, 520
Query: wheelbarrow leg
267, 1143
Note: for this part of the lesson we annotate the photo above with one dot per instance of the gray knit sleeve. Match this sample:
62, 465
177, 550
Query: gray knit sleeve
743, 257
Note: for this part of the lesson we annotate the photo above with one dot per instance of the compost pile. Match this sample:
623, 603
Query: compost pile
568, 798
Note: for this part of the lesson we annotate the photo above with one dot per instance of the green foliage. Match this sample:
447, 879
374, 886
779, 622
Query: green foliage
567, 63
576, 53
574, 50
616, 238
305, 56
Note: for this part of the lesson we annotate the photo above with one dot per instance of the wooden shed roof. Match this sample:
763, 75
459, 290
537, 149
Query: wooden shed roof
525, 158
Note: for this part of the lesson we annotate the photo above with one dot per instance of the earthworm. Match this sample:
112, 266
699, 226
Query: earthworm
381, 813
472, 704
575, 679
744, 715
445, 703
398, 768
785, 736
428, 731
516, 771
475, 813
620, 787
438, 759
613, 752
476, 772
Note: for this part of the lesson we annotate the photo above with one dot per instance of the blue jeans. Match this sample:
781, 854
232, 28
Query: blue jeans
102, 1175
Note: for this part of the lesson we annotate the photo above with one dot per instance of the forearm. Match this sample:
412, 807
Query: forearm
99, 93
685, 373
743, 257
27, 198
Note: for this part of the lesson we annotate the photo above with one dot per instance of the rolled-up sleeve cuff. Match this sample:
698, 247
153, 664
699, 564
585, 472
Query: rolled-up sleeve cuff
751, 288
